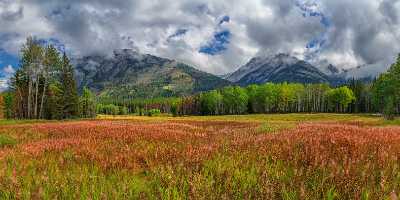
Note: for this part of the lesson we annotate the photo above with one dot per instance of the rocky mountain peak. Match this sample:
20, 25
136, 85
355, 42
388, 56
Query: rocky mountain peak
130, 74
277, 68
127, 53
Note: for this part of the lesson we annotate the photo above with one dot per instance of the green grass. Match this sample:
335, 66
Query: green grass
259, 117
4, 122
273, 120
7, 141
395, 122
225, 176
52, 179
296, 117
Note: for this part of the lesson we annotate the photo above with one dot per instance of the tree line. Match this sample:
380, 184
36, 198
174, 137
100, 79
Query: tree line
44, 87
139, 106
234, 100
381, 95
269, 98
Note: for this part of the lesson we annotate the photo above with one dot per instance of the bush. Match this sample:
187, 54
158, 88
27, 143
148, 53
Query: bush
111, 109
153, 112
123, 110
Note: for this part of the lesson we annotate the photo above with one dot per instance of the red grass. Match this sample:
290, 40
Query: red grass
127, 144
354, 154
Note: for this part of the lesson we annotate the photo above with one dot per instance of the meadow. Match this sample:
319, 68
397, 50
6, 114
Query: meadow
287, 156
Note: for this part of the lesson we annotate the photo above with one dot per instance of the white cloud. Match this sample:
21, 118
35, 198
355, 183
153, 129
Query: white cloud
6, 73
363, 31
8, 70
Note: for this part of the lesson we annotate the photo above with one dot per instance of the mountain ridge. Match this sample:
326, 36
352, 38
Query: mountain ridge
131, 74
278, 68
128, 73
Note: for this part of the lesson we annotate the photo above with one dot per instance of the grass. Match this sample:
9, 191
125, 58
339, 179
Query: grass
261, 118
15, 122
291, 156
7, 141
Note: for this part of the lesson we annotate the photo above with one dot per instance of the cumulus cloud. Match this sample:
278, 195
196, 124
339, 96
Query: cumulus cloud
348, 33
8, 70
6, 74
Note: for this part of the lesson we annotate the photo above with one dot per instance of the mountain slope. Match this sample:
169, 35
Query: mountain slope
279, 68
368, 71
131, 74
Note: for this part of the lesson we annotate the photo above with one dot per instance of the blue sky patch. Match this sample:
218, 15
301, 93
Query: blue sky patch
316, 44
7, 59
217, 44
220, 39
224, 19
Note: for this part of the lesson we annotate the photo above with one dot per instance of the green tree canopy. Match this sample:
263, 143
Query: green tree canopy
386, 90
235, 100
210, 103
340, 98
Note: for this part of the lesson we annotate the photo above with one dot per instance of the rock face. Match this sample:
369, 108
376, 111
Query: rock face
128, 73
277, 69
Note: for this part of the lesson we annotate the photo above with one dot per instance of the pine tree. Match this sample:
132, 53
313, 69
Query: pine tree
87, 104
386, 91
54, 102
70, 97
8, 99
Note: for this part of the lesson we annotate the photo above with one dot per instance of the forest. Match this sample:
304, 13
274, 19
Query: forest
353, 97
44, 87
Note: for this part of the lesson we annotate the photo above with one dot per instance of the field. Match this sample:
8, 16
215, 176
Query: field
295, 156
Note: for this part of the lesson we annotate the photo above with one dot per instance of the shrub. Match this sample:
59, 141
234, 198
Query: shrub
123, 110
153, 112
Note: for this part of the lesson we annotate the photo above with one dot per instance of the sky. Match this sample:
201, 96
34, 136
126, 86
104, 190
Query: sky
214, 36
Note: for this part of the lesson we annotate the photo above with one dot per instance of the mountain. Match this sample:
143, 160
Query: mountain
327, 68
367, 71
128, 73
278, 68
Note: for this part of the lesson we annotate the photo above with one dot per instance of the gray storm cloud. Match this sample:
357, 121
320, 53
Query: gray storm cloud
360, 31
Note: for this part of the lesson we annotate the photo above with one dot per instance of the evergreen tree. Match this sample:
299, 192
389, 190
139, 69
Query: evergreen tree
87, 104
54, 102
70, 97
386, 92
8, 100
40, 68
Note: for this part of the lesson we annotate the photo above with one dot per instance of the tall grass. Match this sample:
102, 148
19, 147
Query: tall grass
198, 159
7, 141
